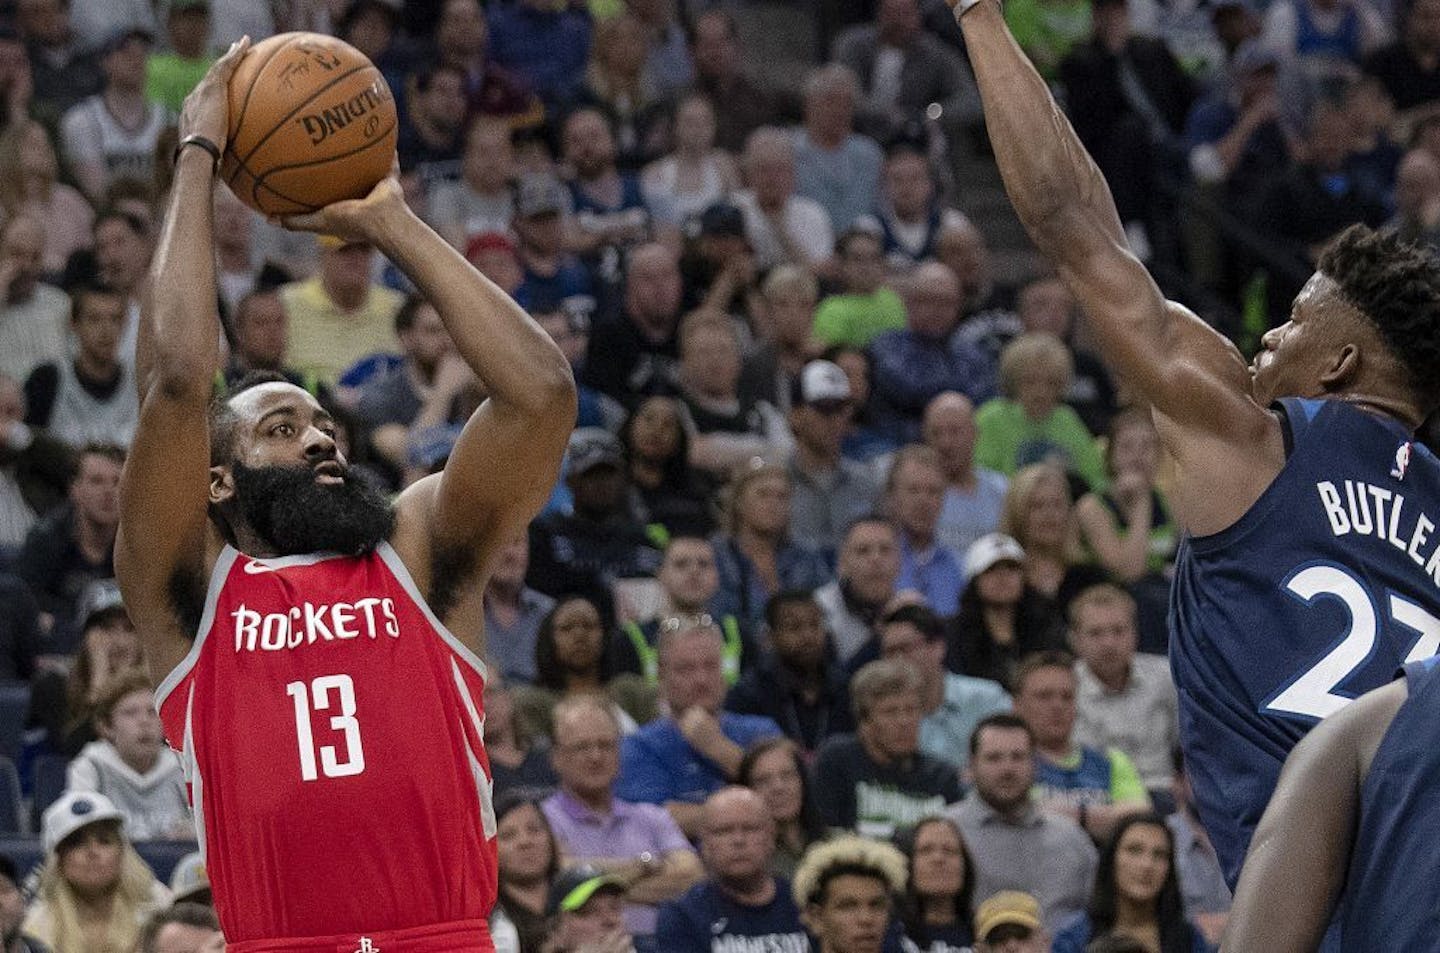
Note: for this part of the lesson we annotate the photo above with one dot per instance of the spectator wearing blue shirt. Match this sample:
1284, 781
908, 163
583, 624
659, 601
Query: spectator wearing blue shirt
974, 496
834, 165
553, 278
547, 45
682, 758
740, 905
915, 491
914, 364
951, 705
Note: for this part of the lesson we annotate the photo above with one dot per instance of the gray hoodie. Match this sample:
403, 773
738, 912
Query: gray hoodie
154, 803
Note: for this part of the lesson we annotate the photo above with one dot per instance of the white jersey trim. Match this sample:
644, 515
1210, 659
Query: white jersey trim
192, 774
402, 574
218, 575
484, 785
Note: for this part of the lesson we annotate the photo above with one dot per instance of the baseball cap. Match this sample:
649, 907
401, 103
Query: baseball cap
591, 447
990, 549
1008, 907
98, 598
722, 220
488, 241
820, 382
573, 888
540, 195
189, 880
74, 810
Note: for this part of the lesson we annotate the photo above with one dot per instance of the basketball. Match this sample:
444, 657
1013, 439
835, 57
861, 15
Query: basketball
312, 122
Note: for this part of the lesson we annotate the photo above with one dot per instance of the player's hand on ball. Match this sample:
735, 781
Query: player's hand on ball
354, 219
206, 111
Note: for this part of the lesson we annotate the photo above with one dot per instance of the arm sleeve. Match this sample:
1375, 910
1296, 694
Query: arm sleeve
1125, 784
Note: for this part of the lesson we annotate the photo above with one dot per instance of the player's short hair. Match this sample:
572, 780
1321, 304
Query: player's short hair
222, 419
883, 678
1397, 286
116, 687
1039, 661
1000, 721
1100, 594
847, 854
185, 913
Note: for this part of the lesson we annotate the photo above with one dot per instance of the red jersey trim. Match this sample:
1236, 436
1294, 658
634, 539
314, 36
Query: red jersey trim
218, 575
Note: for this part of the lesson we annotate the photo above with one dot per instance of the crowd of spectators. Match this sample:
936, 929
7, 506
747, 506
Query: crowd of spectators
844, 626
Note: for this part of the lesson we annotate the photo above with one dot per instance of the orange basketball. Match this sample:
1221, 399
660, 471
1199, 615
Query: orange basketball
312, 122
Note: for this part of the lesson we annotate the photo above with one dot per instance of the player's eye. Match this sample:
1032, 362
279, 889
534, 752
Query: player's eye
282, 430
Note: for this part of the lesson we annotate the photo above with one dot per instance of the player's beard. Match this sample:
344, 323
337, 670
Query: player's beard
289, 510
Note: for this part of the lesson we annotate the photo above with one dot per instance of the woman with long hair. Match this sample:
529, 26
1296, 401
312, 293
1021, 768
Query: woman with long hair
529, 859
1137, 894
753, 552
937, 909
1039, 512
1002, 618
30, 187
775, 770
574, 654
95, 891
664, 488
1127, 526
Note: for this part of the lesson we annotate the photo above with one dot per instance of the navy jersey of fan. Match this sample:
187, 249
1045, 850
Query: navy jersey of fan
1326, 586
1389, 898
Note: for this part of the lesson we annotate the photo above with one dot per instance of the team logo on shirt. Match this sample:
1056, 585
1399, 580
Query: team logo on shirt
1402, 461
366, 946
308, 623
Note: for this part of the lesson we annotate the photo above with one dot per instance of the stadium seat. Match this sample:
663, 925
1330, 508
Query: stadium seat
49, 775
14, 706
163, 855
24, 852
10, 810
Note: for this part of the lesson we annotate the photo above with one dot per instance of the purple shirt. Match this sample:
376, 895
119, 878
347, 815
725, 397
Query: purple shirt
627, 831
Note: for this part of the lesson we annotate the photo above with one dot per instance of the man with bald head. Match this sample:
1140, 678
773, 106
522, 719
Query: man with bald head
740, 905
973, 495
33, 315
926, 357
637, 353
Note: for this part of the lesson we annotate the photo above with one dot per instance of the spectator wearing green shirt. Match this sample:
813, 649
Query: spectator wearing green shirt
1095, 788
867, 306
1048, 29
170, 76
1029, 424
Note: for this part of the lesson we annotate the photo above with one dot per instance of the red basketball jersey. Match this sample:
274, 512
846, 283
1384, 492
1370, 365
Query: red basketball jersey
331, 732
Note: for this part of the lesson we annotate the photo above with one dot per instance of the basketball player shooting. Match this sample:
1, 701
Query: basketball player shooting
317, 650
1311, 567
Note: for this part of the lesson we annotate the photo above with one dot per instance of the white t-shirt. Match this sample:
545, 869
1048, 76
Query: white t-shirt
806, 224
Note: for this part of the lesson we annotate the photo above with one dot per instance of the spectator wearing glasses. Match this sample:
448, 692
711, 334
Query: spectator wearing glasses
828, 491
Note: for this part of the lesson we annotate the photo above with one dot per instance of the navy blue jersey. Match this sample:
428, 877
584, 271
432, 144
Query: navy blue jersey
1326, 586
1389, 899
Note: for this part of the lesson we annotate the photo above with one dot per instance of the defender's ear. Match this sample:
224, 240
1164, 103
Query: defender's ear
1342, 370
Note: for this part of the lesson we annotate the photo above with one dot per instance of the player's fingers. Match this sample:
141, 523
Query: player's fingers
313, 222
226, 65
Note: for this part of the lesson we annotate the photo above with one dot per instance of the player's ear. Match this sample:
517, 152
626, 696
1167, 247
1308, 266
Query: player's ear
1342, 368
222, 485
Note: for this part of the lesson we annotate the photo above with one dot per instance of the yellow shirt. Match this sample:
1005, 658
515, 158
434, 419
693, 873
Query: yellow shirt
325, 341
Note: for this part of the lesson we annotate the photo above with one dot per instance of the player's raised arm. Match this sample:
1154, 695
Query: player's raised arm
1187, 371
504, 463
160, 551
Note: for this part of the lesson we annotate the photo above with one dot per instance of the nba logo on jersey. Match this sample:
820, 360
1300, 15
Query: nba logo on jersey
366, 946
1402, 461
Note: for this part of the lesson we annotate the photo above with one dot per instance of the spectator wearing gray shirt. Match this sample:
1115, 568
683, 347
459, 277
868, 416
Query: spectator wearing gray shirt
834, 165
828, 491
1202, 883
1016, 846
1125, 699
513, 612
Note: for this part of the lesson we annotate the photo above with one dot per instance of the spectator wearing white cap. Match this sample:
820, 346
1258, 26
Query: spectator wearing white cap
828, 491
189, 883
1001, 618
94, 891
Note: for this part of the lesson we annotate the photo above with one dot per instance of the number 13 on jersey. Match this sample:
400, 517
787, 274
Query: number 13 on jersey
315, 697
1313, 693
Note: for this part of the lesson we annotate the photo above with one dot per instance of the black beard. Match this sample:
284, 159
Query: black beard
287, 509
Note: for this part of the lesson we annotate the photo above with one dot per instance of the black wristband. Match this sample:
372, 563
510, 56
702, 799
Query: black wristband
203, 143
